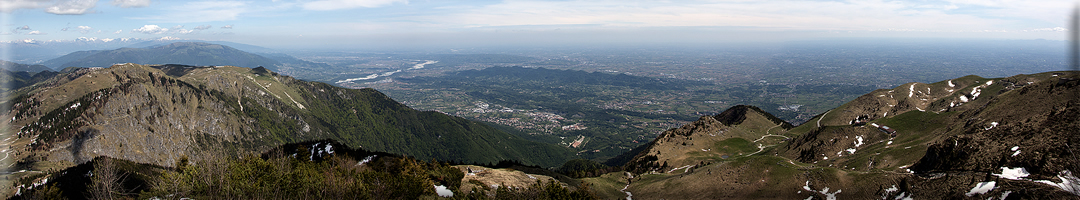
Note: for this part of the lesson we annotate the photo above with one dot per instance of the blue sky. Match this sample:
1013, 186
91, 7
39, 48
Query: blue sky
345, 23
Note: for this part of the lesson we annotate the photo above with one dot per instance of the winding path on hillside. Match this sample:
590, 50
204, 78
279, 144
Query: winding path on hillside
770, 129
767, 134
822, 117
629, 177
763, 137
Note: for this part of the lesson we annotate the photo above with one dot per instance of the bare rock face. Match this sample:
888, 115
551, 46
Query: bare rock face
128, 111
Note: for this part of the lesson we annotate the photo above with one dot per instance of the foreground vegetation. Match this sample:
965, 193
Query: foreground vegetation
280, 174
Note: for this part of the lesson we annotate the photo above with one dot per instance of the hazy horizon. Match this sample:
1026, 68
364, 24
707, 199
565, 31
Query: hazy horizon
343, 24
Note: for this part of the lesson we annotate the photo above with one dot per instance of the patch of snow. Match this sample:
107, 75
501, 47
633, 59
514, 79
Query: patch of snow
850, 151
826, 158
443, 192
311, 156
366, 160
1014, 148
1068, 183
992, 125
902, 196
824, 191
892, 189
1013, 173
911, 90
1016, 151
963, 99
628, 195
858, 141
1005, 194
989, 82
981, 188
889, 143
530, 176
950, 84
329, 149
975, 92
73, 106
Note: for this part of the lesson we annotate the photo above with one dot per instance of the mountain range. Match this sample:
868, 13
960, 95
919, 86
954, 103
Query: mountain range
185, 53
964, 138
158, 113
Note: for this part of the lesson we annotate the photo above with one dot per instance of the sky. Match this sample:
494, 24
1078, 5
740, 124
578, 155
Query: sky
419, 23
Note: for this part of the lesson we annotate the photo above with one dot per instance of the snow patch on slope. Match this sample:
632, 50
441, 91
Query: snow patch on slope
1069, 183
981, 188
824, 191
1013, 173
858, 141
992, 125
911, 90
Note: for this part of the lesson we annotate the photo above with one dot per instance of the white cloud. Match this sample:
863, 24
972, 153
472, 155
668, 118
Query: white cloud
8, 6
118, 31
203, 27
782, 14
178, 26
71, 7
201, 11
131, 3
24, 27
36, 33
80, 29
1055, 29
227, 26
151, 29
349, 4
84, 29
182, 31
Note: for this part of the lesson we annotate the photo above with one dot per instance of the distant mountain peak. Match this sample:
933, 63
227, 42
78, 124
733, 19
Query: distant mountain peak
737, 114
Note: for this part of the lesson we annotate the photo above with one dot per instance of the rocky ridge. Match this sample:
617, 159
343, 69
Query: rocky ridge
158, 113
965, 138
